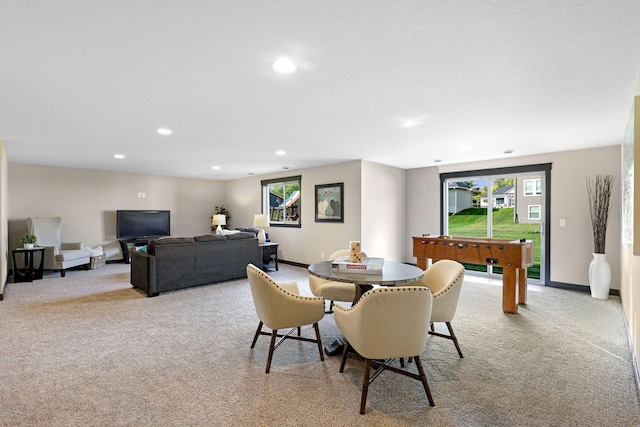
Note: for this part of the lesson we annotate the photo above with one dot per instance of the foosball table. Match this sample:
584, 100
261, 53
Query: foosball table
514, 256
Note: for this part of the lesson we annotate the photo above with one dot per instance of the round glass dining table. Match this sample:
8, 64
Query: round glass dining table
393, 273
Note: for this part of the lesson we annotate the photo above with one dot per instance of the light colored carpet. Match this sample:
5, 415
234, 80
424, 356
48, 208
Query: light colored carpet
90, 350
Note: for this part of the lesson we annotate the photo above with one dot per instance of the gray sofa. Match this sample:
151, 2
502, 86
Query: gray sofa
176, 263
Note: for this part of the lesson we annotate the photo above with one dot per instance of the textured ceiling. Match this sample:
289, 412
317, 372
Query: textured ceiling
83, 80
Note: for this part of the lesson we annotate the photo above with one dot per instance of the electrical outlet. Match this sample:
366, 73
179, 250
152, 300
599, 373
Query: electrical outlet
321, 255
563, 223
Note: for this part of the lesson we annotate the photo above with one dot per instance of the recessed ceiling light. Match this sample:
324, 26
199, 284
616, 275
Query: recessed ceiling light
118, 156
509, 151
409, 124
281, 152
164, 131
284, 66
215, 167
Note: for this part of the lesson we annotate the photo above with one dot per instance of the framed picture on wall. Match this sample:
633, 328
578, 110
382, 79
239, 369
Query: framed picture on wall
330, 202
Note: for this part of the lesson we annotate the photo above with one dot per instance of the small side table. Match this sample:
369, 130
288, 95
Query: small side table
269, 253
29, 272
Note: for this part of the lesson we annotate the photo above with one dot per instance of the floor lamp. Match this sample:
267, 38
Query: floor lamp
219, 220
260, 221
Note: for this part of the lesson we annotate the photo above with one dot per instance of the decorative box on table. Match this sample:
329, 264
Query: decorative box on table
343, 264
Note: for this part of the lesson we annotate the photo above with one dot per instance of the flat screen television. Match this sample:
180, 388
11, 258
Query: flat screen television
141, 224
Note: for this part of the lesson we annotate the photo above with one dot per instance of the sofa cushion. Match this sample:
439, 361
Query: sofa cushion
241, 235
73, 254
167, 241
209, 237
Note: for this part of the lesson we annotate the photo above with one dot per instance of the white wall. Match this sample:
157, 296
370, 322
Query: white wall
305, 244
87, 200
422, 206
4, 206
383, 232
571, 246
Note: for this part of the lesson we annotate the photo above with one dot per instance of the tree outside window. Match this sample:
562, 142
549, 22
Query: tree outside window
281, 201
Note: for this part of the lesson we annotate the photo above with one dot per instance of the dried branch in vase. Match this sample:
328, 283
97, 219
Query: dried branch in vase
599, 207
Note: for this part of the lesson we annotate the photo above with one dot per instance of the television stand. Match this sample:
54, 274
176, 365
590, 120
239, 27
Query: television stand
127, 244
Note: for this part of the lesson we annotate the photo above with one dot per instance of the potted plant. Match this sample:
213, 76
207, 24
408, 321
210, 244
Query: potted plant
599, 192
28, 240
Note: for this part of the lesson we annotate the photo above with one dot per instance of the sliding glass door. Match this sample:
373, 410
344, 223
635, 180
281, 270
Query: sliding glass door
498, 205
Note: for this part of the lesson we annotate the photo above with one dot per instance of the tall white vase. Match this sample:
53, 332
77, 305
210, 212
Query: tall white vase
599, 276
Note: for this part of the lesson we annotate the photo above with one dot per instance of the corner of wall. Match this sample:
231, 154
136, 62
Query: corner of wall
4, 178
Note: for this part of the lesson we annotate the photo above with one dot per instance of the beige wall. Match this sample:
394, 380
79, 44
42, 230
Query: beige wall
630, 261
4, 233
571, 246
87, 200
305, 244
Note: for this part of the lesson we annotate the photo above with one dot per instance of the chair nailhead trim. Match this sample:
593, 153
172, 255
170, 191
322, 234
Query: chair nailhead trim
449, 286
280, 288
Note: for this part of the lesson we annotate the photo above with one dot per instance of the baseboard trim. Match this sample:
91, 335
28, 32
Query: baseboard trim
634, 357
573, 287
551, 284
295, 264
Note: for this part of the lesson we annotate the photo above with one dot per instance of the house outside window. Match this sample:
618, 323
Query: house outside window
532, 187
281, 201
534, 212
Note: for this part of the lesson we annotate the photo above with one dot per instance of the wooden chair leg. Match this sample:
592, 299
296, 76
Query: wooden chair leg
425, 384
454, 338
255, 337
345, 351
365, 385
274, 335
319, 341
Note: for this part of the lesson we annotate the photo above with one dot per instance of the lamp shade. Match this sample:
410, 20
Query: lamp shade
260, 220
219, 220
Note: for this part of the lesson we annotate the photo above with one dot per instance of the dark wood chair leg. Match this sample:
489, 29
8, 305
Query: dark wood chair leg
423, 378
62, 273
319, 341
454, 338
365, 385
274, 335
345, 351
255, 337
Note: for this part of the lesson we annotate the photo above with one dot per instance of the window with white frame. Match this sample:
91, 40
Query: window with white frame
534, 212
532, 187
281, 201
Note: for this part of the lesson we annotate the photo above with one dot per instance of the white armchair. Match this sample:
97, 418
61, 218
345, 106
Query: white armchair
57, 255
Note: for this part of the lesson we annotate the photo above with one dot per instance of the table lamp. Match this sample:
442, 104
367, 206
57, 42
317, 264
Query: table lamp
260, 221
219, 220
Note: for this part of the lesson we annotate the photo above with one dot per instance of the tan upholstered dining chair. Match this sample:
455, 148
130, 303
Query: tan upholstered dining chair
444, 278
387, 323
280, 306
330, 290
